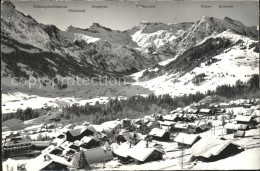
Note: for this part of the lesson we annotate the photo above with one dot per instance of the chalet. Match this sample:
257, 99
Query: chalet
89, 142
206, 111
181, 126
122, 152
48, 162
243, 119
114, 125
145, 154
187, 117
192, 111
232, 127
202, 128
17, 146
94, 155
160, 134
213, 148
186, 140
77, 134
123, 137
171, 118
167, 123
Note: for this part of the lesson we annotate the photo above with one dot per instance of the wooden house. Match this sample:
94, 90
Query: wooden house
186, 140
94, 155
206, 111
160, 134
145, 154
48, 162
77, 134
243, 119
210, 149
89, 142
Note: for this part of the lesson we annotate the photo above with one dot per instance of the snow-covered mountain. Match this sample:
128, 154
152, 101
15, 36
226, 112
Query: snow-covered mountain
65, 53
161, 55
221, 58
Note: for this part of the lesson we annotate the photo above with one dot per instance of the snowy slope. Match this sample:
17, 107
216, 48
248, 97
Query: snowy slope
226, 70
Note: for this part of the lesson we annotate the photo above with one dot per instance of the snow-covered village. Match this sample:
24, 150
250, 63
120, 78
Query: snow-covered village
130, 92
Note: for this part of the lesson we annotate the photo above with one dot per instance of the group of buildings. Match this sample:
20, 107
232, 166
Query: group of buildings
134, 140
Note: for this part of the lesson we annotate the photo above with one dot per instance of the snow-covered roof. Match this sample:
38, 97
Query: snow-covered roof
91, 128
171, 117
181, 125
157, 132
209, 146
205, 110
94, 155
242, 118
184, 138
122, 149
111, 124
86, 139
40, 163
141, 154
235, 126
167, 123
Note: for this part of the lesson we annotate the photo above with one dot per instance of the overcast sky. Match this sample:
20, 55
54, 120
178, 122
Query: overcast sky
125, 15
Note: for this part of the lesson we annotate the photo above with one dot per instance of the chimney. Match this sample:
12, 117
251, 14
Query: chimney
146, 143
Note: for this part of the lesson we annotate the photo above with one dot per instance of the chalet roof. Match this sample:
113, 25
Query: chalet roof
126, 135
40, 163
75, 132
205, 110
90, 128
204, 126
167, 123
181, 125
122, 149
157, 132
234, 126
184, 138
141, 154
111, 124
209, 146
242, 118
86, 139
93, 155
171, 117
